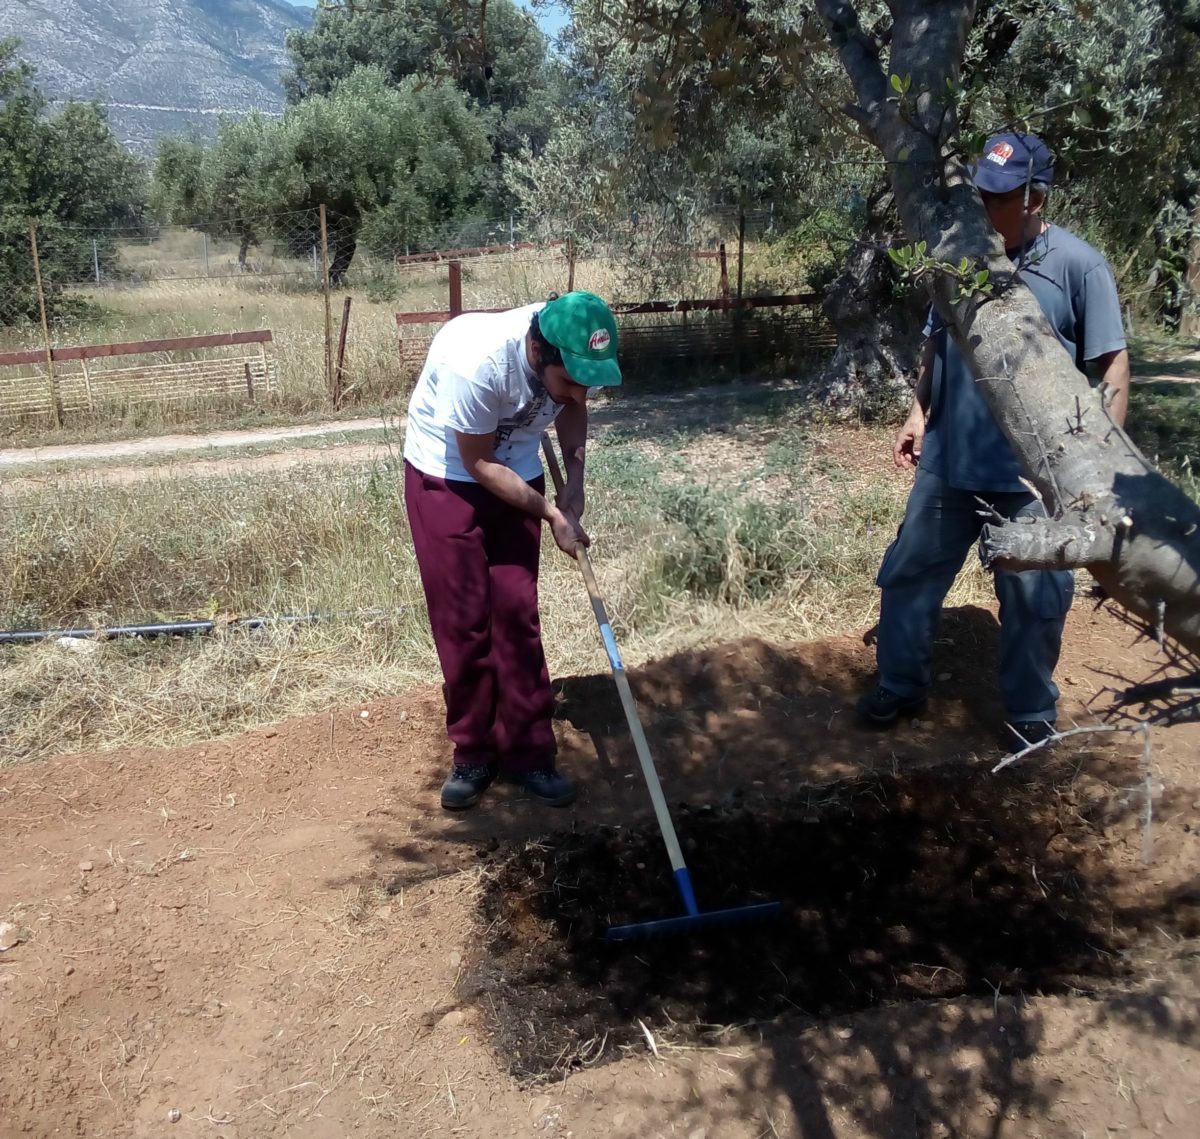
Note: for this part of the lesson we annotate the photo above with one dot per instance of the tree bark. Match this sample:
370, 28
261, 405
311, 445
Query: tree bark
879, 333
343, 242
1145, 552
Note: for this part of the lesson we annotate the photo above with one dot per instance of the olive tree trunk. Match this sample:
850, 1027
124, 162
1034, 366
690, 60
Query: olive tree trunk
1111, 511
879, 332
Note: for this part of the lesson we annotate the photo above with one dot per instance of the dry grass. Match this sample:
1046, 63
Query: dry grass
169, 295
335, 539
126, 693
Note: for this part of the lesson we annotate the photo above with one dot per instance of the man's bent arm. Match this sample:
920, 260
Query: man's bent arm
571, 427
479, 460
1113, 370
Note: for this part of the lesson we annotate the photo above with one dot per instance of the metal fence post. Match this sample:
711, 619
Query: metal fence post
204, 239
96, 261
328, 314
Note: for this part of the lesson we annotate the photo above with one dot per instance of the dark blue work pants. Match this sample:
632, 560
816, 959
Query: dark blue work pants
940, 525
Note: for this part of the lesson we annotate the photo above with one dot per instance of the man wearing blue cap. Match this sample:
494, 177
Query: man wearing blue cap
962, 459
475, 496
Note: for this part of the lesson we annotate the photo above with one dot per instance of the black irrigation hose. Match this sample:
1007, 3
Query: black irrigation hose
176, 628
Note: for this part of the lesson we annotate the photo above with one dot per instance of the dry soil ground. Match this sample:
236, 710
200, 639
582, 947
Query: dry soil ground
282, 935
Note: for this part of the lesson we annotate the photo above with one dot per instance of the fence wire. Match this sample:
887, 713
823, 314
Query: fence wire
290, 274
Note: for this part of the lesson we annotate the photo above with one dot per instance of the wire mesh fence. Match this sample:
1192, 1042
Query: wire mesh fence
99, 322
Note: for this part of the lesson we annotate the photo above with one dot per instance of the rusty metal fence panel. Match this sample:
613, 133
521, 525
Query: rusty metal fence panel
664, 341
167, 371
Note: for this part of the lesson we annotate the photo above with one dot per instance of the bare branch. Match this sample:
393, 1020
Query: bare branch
1058, 737
860, 57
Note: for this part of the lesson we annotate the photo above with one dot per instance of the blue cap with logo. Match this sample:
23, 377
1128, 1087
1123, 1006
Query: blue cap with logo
1011, 160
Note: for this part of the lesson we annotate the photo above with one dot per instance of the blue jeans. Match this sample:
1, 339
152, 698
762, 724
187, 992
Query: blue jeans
940, 525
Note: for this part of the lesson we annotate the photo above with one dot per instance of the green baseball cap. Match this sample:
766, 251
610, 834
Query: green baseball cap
582, 327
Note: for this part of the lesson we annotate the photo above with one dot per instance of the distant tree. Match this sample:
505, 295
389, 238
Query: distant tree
178, 191
66, 172
492, 50
227, 189
399, 161
393, 165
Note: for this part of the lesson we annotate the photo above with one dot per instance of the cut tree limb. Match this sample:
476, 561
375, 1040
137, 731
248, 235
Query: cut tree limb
1047, 543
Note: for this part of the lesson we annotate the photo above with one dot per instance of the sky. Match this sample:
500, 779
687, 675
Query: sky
551, 20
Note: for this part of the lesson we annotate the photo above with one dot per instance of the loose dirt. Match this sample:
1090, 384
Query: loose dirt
178, 444
282, 935
276, 448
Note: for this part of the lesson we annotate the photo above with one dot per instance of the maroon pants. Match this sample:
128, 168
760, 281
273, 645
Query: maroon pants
478, 558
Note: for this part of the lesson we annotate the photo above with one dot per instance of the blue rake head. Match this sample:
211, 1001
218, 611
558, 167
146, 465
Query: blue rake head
689, 923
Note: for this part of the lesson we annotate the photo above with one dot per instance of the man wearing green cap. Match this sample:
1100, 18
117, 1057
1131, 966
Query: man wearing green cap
475, 495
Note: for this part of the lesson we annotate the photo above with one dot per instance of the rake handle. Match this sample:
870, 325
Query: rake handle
649, 773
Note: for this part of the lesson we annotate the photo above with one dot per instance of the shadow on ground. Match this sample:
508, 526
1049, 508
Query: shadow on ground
920, 913
740, 725
924, 899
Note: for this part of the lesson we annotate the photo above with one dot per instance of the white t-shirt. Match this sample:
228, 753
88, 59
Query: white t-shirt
477, 380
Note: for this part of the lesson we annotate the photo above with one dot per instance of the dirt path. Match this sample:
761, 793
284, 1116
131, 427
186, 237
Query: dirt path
177, 444
281, 934
1181, 370
200, 454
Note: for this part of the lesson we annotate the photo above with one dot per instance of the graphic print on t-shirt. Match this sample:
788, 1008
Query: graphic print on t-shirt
525, 416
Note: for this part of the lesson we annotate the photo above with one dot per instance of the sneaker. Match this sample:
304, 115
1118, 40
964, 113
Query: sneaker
546, 785
1026, 733
464, 785
881, 706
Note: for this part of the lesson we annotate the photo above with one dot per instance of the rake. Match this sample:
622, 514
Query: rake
693, 918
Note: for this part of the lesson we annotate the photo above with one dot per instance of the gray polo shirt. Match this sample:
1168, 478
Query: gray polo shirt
1075, 287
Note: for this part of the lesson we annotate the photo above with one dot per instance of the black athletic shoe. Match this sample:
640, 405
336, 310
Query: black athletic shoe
1026, 733
881, 706
464, 785
546, 785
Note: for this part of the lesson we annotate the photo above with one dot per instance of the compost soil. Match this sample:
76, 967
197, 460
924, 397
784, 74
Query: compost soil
931, 884
281, 934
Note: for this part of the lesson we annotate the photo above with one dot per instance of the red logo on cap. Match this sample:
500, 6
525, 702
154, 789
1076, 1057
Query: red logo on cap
1000, 153
600, 340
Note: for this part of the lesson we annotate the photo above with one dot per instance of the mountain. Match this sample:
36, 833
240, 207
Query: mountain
160, 66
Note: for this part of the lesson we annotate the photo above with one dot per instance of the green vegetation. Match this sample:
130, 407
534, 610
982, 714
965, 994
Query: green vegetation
67, 173
679, 561
1166, 426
